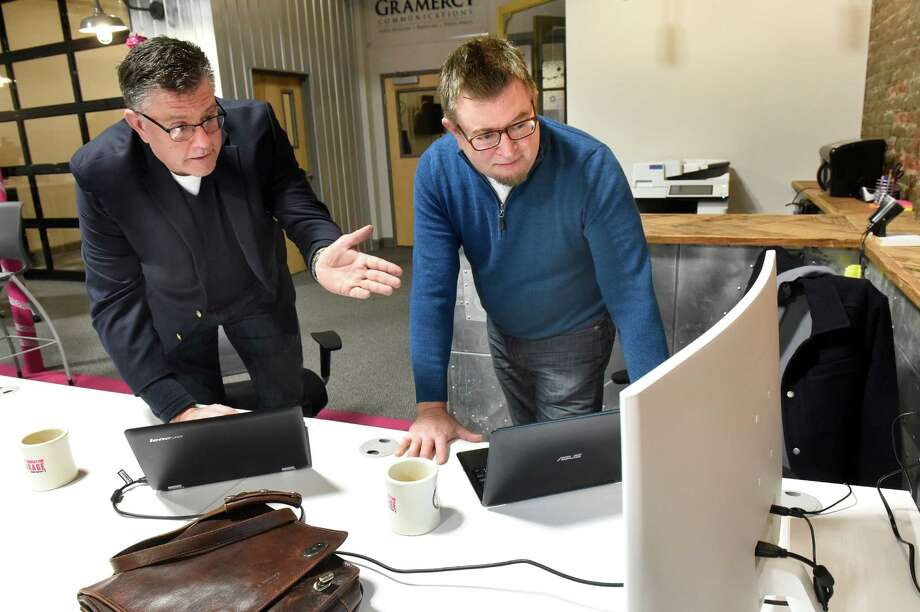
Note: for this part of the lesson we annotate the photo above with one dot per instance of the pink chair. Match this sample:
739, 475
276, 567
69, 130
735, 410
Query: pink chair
12, 248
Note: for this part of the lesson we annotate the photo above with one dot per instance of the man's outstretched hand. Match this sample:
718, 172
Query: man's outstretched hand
343, 270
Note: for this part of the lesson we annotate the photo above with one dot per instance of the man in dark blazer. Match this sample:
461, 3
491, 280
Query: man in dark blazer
181, 209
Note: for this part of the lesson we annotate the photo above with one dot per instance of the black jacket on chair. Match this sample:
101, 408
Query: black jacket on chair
839, 388
144, 272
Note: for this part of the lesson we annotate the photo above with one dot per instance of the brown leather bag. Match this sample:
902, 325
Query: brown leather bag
243, 556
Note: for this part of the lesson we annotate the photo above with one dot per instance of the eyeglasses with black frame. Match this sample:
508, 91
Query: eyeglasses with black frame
515, 131
183, 133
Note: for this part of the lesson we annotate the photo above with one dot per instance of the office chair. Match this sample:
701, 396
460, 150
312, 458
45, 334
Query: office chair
241, 394
11, 247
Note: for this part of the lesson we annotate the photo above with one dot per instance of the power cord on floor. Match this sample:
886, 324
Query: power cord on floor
457, 568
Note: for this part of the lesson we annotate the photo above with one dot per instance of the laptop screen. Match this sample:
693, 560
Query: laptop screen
537, 459
178, 455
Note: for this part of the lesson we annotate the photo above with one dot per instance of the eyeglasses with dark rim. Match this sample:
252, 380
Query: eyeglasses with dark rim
515, 131
183, 133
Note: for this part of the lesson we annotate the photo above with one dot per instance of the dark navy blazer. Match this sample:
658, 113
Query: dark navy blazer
141, 249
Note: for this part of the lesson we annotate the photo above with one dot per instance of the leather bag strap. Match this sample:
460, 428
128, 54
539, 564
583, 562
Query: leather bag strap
233, 502
186, 547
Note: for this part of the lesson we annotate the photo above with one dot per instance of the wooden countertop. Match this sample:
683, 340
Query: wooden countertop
831, 205
841, 226
856, 211
794, 231
901, 265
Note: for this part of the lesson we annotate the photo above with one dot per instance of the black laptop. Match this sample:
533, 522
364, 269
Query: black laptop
528, 461
179, 455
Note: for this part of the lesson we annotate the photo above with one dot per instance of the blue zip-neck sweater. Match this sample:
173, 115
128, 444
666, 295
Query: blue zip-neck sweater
569, 246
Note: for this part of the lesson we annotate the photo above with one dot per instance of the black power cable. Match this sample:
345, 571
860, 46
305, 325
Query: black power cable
457, 568
130, 483
839, 501
822, 580
861, 257
119, 494
911, 565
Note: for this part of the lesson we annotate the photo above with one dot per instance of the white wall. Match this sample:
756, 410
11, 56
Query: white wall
763, 84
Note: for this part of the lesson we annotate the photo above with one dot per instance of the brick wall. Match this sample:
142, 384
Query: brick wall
892, 106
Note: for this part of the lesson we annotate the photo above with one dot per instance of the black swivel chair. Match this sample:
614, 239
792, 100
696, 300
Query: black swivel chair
241, 394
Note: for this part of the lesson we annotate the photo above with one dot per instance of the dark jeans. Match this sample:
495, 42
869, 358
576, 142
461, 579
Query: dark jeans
273, 357
554, 377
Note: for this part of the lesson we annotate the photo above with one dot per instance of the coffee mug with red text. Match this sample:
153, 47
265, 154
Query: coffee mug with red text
47, 459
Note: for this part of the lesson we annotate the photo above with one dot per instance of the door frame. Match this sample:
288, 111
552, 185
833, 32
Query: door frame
310, 126
386, 133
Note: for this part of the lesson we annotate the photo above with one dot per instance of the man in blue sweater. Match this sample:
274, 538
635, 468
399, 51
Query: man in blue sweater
546, 219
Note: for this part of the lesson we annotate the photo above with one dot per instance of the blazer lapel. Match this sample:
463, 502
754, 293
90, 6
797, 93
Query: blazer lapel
162, 189
228, 179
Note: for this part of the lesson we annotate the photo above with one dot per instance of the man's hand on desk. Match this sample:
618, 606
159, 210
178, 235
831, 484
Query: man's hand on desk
203, 412
432, 432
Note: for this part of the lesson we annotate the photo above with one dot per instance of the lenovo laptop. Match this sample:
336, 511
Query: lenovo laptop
179, 455
537, 459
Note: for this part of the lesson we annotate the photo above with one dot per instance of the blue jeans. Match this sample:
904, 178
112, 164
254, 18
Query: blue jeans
272, 355
555, 377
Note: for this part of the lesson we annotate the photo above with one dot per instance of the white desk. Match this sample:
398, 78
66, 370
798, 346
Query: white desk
59, 541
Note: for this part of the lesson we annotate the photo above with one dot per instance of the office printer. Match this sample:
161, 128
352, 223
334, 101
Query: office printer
687, 185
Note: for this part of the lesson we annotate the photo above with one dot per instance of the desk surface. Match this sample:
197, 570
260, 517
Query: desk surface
61, 540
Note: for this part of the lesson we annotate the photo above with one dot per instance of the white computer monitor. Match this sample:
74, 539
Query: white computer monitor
701, 439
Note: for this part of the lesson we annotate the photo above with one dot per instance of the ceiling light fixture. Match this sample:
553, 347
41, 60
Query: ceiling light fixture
104, 25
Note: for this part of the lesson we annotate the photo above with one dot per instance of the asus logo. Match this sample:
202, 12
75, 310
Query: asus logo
165, 438
569, 457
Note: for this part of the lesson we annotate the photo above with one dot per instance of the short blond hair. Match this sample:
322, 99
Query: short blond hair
482, 68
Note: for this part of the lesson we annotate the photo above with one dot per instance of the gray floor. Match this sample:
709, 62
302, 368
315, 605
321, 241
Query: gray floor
370, 374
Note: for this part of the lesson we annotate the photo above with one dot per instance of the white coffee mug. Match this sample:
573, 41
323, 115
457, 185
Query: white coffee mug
412, 496
48, 460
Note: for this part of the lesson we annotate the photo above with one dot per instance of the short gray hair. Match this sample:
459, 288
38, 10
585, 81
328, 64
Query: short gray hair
481, 67
170, 64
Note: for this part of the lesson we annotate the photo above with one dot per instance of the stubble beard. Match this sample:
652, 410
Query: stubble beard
511, 181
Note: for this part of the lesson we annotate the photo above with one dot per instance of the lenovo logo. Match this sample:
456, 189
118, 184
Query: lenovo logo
165, 438
569, 457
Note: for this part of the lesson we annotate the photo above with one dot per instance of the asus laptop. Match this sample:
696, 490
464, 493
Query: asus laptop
548, 457
179, 455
